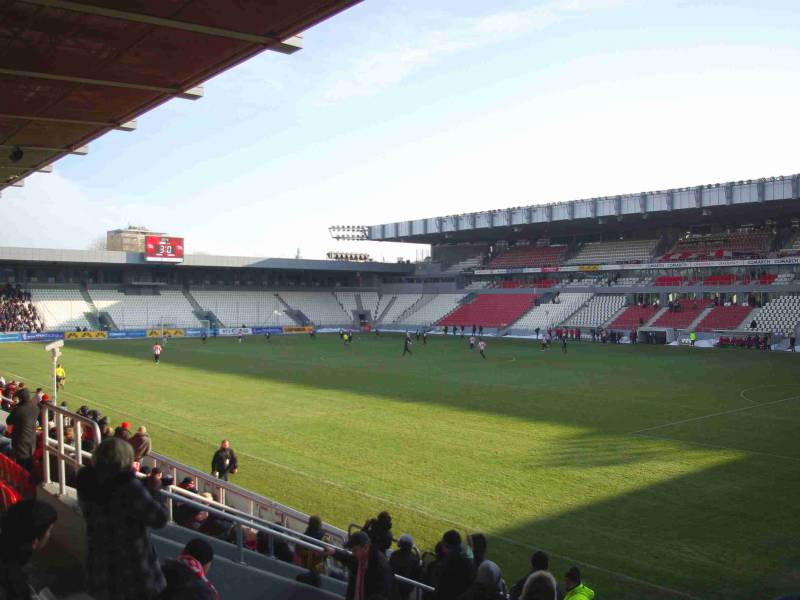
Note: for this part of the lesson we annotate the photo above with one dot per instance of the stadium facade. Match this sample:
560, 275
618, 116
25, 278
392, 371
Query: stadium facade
720, 260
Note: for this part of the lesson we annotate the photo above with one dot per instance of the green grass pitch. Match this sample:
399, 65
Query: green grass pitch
662, 472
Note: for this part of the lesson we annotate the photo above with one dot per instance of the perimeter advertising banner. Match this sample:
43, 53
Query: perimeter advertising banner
228, 331
85, 335
297, 330
166, 249
156, 333
44, 336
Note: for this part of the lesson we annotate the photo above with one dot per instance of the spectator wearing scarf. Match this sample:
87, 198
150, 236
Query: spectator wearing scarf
369, 571
187, 576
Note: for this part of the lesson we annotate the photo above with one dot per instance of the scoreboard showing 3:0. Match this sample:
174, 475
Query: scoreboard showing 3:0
159, 248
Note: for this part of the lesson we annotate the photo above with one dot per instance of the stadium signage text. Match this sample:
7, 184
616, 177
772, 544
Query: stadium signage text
156, 333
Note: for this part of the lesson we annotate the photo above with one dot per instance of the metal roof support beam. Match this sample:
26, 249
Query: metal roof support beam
127, 126
618, 205
194, 93
761, 188
698, 197
795, 187
643, 203
729, 194
81, 151
670, 200
287, 46
44, 169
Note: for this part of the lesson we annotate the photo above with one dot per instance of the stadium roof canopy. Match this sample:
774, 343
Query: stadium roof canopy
72, 71
55, 256
737, 202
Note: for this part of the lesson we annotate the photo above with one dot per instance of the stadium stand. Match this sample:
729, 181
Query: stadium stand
720, 246
17, 313
720, 280
369, 301
792, 247
477, 285
633, 316
614, 252
62, 308
431, 308
725, 317
597, 311
669, 281
529, 256
245, 307
467, 264
512, 284
396, 305
685, 314
322, 308
551, 313
348, 302
491, 310
625, 282
781, 315
138, 312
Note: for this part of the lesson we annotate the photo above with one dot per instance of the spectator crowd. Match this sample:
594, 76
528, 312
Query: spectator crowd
17, 313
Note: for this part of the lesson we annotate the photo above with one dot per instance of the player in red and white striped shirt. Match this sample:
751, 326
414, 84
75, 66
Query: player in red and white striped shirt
157, 353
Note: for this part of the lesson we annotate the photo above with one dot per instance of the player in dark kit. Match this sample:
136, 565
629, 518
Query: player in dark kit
563, 344
204, 337
407, 345
268, 335
425, 336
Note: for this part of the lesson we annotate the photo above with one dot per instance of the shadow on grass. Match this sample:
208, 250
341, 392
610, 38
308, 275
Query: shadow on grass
726, 531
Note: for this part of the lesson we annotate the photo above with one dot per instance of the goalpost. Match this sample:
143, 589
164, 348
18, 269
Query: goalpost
205, 327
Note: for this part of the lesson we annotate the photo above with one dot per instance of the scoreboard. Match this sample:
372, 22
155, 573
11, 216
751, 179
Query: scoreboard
159, 248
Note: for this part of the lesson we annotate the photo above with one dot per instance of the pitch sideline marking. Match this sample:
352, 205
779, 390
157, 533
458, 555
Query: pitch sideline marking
409, 507
716, 414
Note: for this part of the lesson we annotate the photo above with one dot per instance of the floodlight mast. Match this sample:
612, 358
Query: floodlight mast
54, 349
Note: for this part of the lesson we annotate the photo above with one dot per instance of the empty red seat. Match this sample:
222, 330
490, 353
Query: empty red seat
633, 317
491, 310
668, 281
724, 317
529, 256
681, 319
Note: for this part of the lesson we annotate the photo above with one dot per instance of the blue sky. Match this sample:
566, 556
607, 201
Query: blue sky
397, 111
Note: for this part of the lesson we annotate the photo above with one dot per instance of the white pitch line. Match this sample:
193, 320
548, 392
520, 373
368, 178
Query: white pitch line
409, 507
717, 414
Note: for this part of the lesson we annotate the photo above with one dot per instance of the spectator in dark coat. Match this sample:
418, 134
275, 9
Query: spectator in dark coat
25, 527
187, 576
141, 443
477, 541
23, 420
224, 461
369, 571
405, 561
539, 562
121, 560
309, 559
457, 571
488, 584
379, 531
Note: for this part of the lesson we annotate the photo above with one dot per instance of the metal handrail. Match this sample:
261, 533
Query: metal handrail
56, 446
230, 510
253, 500
283, 532
240, 521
